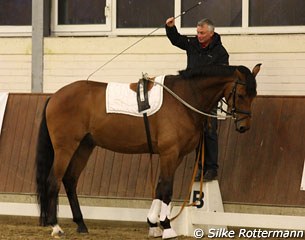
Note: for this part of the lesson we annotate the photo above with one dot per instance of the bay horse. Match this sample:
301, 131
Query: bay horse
74, 121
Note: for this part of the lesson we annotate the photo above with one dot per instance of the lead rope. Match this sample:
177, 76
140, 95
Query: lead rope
186, 200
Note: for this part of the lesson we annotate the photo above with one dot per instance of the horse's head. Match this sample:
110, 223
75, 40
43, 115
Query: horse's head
240, 95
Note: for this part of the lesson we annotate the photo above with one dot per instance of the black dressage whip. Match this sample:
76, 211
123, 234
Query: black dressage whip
135, 43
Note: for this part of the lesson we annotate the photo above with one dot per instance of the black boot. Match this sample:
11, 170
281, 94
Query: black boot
210, 175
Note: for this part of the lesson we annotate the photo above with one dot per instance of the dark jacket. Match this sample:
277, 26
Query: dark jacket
197, 56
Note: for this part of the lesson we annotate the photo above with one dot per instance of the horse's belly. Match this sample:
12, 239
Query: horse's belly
124, 148
123, 140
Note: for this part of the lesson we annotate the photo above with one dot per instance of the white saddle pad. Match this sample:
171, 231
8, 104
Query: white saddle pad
121, 99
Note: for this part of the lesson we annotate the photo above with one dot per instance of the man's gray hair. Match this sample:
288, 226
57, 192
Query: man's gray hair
208, 22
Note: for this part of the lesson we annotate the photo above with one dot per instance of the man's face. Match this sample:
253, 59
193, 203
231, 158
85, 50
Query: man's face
203, 34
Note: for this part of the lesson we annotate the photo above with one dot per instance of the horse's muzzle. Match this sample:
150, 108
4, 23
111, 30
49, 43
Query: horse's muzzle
242, 124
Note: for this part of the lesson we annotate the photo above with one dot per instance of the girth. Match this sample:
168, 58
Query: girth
143, 105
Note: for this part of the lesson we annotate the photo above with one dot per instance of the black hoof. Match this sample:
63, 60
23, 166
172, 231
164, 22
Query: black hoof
82, 229
152, 224
166, 223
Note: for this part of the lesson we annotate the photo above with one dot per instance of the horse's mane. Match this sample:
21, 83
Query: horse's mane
223, 71
208, 71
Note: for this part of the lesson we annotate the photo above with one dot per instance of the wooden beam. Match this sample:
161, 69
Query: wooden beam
37, 45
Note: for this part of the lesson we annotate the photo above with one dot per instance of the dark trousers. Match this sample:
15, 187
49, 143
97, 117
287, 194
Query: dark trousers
210, 146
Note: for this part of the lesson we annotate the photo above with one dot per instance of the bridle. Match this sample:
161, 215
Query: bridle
234, 110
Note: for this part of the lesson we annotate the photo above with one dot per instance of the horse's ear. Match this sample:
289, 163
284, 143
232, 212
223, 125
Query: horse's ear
256, 69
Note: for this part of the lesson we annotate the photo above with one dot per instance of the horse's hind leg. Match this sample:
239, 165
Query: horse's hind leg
71, 177
62, 158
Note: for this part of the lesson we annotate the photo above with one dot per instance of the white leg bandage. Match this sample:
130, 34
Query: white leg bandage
154, 211
165, 211
168, 232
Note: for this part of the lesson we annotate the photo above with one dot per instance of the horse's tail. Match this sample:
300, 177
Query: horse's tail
44, 162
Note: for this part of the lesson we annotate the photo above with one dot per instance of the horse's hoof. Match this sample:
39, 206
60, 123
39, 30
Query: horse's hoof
57, 231
82, 229
169, 233
155, 232
57, 234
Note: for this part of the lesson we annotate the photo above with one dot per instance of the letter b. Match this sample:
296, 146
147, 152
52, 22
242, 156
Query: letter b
199, 200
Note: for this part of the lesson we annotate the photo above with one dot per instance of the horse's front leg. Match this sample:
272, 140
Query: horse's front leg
160, 209
153, 218
166, 190
161, 206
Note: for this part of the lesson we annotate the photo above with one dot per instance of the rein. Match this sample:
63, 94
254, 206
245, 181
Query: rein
231, 115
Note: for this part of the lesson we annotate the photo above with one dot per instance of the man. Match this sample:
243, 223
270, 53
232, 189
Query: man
204, 49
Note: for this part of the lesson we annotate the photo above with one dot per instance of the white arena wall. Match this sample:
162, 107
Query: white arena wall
68, 59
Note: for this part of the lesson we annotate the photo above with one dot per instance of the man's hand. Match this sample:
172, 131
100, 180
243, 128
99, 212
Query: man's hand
170, 22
